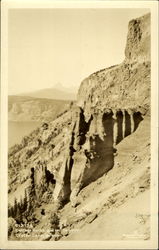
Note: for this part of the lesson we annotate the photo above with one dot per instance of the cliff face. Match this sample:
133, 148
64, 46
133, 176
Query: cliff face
112, 103
79, 147
126, 85
138, 40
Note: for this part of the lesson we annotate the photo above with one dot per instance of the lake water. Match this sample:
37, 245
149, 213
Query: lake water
17, 130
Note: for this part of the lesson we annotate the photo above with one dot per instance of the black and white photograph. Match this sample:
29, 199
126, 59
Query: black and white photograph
79, 100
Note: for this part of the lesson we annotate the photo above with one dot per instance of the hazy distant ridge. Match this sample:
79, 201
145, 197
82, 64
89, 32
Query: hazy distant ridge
52, 93
27, 108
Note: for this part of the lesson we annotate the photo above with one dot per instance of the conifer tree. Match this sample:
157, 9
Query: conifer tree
15, 207
25, 202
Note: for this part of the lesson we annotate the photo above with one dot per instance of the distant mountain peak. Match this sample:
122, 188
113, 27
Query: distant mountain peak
52, 93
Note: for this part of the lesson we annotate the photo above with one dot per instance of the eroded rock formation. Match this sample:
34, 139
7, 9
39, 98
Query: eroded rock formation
112, 103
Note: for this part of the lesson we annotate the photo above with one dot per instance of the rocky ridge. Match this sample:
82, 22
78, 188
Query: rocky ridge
60, 161
26, 108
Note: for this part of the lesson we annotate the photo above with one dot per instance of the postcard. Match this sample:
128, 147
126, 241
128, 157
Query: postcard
79, 125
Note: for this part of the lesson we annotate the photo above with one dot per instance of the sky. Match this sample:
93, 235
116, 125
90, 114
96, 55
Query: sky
60, 47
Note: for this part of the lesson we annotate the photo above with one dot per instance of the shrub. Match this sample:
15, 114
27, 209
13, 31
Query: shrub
54, 221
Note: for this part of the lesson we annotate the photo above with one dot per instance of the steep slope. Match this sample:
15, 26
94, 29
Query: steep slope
94, 160
117, 205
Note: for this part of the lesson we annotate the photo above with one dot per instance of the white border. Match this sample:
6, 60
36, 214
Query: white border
151, 244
